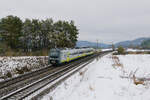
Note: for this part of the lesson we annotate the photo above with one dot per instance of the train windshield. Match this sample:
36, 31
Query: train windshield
54, 54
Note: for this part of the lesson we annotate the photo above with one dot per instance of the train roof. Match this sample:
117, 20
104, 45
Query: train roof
69, 49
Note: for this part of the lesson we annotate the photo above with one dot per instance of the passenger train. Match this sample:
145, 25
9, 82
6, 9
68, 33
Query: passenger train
59, 56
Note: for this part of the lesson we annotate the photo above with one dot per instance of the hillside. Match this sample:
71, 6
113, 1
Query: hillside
136, 42
146, 44
91, 44
128, 43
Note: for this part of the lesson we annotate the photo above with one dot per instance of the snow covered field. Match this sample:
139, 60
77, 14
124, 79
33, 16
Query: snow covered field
9, 64
137, 50
109, 78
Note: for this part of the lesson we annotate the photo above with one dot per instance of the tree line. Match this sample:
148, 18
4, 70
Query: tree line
35, 34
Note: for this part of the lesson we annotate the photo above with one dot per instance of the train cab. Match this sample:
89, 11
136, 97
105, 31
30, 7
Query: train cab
54, 56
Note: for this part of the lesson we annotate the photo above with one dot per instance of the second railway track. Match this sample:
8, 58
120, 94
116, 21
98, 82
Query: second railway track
25, 86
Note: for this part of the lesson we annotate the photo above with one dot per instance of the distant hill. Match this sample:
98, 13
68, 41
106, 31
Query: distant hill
136, 42
91, 44
146, 44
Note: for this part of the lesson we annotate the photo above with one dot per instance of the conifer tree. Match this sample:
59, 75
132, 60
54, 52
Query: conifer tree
11, 25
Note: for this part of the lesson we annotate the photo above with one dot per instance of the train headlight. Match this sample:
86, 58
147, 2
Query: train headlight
53, 61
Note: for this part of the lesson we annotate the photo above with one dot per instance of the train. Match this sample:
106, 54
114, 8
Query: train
60, 56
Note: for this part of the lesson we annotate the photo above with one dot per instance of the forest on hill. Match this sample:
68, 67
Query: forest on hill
146, 44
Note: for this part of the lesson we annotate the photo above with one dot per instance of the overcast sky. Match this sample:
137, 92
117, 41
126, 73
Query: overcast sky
106, 20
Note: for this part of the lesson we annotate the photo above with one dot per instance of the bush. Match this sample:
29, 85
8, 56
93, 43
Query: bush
121, 50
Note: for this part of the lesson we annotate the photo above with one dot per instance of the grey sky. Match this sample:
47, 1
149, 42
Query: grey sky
106, 20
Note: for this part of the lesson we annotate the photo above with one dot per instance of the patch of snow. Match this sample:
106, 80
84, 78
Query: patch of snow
101, 81
135, 62
9, 64
107, 49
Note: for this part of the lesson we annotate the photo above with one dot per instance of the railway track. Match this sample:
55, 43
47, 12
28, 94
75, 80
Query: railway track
23, 86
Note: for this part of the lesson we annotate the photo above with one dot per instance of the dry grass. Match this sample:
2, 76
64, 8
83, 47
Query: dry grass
11, 52
136, 81
133, 52
82, 72
44, 52
138, 52
91, 88
116, 62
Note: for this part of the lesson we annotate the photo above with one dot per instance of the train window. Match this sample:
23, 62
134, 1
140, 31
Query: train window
74, 53
81, 52
54, 54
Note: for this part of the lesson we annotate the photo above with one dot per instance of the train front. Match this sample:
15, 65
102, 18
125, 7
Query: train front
54, 56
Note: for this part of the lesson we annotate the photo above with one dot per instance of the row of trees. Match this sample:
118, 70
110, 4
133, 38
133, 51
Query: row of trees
32, 35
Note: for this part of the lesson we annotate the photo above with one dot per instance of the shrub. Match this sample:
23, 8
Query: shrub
121, 50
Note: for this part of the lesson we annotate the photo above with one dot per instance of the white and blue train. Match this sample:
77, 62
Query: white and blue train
59, 56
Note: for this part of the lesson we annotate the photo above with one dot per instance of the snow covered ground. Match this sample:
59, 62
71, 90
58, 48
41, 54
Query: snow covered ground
107, 78
107, 49
9, 64
136, 50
